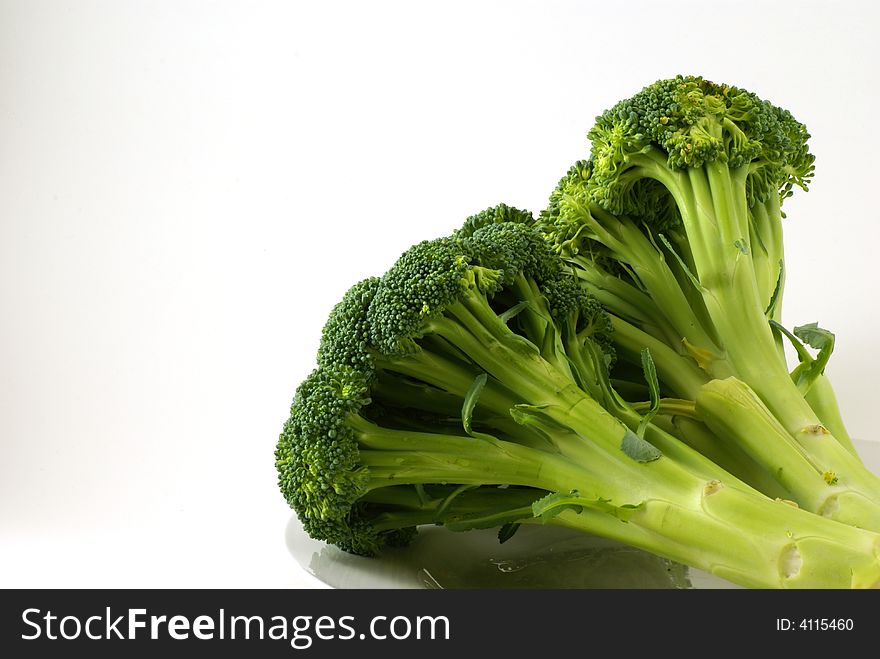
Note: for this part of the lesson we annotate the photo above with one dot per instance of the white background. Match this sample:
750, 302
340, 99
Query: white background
186, 188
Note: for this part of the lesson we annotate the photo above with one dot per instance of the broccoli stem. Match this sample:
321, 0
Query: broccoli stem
687, 380
737, 416
731, 409
624, 300
765, 240
536, 321
649, 264
726, 273
743, 537
822, 400
680, 373
435, 382
660, 506
723, 452
456, 508
751, 347
722, 238
696, 461
766, 254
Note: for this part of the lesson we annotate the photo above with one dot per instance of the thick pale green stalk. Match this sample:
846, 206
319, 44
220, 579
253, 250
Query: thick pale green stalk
727, 276
725, 452
680, 373
650, 266
634, 248
410, 457
766, 255
732, 410
765, 241
625, 300
750, 346
687, 380
745, 538
822, 399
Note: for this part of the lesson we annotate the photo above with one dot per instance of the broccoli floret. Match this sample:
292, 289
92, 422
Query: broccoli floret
346, 335
500, 214
675, 225
321, 459
690, 123
685, 153
472, 391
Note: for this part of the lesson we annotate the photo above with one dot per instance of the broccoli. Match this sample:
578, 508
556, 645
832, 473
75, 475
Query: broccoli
469, 387
675, 225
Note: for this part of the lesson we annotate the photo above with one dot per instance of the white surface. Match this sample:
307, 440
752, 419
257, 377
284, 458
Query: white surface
187, 187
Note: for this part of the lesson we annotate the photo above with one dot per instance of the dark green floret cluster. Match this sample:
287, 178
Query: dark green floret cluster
613, 365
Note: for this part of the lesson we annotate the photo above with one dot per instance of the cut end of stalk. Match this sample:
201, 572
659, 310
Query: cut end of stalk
790, 562
868, 576
830, 507
712, 487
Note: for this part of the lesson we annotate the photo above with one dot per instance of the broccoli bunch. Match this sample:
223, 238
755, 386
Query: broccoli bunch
675, 224
470, 387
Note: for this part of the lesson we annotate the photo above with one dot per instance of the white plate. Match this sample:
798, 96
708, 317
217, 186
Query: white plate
536, 557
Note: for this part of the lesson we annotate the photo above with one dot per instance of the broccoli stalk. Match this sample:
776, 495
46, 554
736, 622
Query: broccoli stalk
407, 421
748, 440
675, 225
